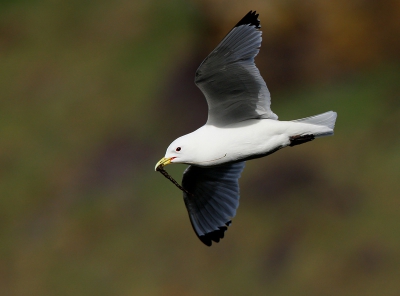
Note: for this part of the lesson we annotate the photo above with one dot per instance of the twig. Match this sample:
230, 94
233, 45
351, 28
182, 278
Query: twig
166, 175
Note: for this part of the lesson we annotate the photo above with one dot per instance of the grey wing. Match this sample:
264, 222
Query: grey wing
230, 80
213, 198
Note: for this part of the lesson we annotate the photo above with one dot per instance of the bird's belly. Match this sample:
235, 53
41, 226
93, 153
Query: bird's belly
250, 141
259, 146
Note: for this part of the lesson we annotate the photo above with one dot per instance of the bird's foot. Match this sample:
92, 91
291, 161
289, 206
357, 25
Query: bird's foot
300, 139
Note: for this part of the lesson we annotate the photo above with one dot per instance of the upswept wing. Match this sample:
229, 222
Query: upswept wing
213, 198
230, 80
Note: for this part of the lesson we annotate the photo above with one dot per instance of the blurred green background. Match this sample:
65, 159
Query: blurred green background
93, 92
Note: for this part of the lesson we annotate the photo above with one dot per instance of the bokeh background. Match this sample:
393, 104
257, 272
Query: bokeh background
93, 92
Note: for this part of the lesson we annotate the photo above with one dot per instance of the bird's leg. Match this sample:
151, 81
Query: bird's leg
166, 175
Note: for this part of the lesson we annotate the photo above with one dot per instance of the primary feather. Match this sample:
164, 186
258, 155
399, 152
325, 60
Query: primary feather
230, 80
213, 198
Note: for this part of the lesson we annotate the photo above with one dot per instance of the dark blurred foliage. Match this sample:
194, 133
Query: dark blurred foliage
92, 93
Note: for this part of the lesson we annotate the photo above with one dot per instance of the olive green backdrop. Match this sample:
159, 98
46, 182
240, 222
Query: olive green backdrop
93, 92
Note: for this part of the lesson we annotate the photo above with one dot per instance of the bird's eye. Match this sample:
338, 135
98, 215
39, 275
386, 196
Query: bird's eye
178, 149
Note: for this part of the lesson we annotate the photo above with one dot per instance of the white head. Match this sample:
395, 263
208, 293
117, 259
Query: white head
182, 150
201, 147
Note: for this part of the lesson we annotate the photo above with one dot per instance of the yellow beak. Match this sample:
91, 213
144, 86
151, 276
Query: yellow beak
163, 162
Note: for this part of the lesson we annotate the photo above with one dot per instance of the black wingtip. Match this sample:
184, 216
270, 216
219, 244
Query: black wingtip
215, 235
250, 19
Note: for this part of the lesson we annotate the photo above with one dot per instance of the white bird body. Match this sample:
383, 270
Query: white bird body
210, 145
240, 126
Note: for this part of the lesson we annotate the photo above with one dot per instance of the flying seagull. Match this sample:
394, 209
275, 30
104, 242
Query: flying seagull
240, 126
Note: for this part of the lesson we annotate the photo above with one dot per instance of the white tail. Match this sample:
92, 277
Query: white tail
326, 119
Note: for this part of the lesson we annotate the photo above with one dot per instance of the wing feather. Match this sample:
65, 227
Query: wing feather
230, 80
213, 198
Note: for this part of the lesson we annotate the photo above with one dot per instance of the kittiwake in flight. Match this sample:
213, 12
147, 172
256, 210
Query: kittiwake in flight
240, 126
